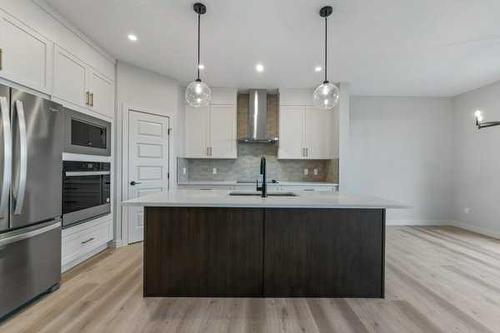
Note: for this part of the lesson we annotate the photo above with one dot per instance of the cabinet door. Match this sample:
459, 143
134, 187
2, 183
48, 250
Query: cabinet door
196, 132
102, 98
291, 132
318, 138
24, 55
70, 78
223, 131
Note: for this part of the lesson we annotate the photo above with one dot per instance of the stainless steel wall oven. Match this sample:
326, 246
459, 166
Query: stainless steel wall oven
86, 191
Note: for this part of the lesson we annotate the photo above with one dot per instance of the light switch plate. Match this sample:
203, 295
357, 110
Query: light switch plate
315, 171
214, 171
184, 171
306, 172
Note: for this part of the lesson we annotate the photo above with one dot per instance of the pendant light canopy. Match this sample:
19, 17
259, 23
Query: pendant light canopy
326, 95
198, 93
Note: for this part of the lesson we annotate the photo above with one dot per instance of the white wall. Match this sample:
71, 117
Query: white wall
400, 149
144, 90
476, 161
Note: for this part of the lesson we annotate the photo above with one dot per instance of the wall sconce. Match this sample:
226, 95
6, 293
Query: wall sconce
478, 115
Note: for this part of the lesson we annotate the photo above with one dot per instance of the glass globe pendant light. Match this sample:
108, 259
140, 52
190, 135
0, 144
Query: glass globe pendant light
326, 95
198, 93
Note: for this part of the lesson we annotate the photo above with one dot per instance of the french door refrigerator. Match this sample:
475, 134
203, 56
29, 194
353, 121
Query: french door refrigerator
31, 144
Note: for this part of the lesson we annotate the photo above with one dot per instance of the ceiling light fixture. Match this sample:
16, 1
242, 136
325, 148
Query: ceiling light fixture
132, 37
198, 93
326, 95
259, 68
201, 66
317, 69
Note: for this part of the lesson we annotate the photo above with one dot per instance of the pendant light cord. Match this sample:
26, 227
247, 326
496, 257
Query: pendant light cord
326, 49
198, 67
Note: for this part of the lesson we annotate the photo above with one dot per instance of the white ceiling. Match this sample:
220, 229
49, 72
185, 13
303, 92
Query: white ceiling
382, 47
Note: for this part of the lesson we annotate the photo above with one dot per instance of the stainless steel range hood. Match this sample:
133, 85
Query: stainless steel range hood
257, 118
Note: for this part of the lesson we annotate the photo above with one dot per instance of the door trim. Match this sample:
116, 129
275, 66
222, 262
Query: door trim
125, 157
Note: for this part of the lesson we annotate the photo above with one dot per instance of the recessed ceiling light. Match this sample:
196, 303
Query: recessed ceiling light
132, 37
201, 66
259, 68
318, 69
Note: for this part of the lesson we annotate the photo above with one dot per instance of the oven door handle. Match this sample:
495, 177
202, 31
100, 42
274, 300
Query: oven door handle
86, 173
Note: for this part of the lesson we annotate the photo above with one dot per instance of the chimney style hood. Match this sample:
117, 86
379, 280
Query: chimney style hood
257, 118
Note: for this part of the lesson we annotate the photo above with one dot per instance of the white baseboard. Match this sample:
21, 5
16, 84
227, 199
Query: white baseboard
478, 229
117, 243
395, 222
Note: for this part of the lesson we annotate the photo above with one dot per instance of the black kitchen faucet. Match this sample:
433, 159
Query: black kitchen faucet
263, 188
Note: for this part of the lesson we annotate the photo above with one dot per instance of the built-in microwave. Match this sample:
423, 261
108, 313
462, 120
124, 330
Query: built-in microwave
84, 134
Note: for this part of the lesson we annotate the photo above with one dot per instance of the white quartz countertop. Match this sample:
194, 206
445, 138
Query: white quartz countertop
221, 198
234, 182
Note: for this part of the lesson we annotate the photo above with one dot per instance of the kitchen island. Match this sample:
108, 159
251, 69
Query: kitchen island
212, 244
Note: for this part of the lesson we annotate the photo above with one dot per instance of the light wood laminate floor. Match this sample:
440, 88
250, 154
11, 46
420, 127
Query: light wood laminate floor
438, 279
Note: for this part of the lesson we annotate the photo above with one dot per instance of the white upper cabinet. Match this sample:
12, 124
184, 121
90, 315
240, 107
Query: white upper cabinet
39, 52
210, 132
70, 78
101, 91
291, 132
223, 131
25, 56
78, 83
196, 132
318, 133
305, 132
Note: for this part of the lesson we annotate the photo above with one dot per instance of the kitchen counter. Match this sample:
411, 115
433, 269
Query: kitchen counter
234, 183
209, 244
221, 198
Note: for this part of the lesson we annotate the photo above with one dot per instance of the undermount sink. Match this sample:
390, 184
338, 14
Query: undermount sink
258, 194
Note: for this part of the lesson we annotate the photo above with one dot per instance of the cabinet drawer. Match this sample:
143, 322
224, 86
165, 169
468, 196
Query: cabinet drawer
77, 244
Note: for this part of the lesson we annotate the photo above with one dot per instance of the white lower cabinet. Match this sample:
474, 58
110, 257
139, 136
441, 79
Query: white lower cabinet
85, 240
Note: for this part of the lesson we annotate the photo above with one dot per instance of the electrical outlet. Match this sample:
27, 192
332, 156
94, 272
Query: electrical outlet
315, 171
306, 172
214, 171
184, 171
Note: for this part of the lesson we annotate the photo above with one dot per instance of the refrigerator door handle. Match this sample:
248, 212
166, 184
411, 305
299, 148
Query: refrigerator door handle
7, 158
29, 234
23, 167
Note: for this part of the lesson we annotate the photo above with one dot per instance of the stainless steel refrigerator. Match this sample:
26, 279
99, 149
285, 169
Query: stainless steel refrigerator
31, 144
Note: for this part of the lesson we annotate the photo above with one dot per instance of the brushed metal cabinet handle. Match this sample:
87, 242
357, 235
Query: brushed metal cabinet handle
23, 168
7, 151
87, 98
92, 99
1, 59
88, 240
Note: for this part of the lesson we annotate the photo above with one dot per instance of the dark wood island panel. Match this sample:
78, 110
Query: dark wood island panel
324, 253
205, 252
264, 252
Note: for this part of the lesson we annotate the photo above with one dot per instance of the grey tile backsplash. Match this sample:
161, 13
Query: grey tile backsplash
246, 167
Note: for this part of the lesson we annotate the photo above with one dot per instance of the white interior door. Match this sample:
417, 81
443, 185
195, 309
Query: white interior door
148, 164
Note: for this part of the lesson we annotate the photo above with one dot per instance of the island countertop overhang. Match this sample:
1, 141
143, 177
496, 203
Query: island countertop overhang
221, 198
